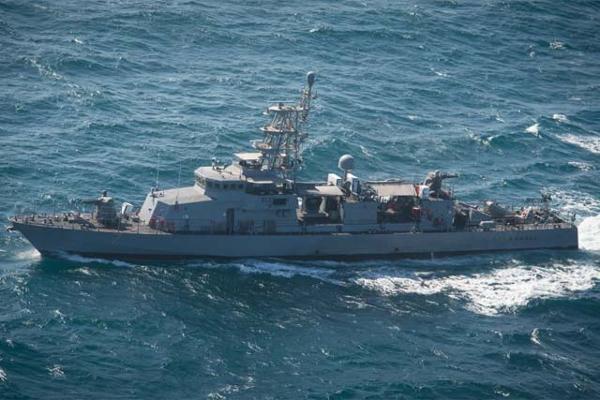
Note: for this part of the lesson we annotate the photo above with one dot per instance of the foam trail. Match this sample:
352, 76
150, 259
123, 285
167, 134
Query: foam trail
31, 254
579, 202
277, 269
287, 270
82, 259
503, 290
589, 143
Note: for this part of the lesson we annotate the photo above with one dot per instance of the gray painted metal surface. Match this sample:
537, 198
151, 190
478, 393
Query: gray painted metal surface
53, 240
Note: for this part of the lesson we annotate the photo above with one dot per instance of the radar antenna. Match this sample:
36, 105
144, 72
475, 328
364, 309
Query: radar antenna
284, 135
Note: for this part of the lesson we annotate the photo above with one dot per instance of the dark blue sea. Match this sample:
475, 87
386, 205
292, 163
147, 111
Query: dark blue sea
101, 95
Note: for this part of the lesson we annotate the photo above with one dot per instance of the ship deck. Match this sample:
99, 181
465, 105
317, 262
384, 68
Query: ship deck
86, 222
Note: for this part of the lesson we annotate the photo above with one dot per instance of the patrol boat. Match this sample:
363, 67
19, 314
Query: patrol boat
255, 207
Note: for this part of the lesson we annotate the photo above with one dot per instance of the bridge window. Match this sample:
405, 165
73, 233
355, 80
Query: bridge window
280, 202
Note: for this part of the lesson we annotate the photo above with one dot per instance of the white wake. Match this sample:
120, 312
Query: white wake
286, 270
587, 209
502, 290
589, 233
89, 260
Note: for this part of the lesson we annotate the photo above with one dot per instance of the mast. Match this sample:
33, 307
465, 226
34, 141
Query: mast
283, 136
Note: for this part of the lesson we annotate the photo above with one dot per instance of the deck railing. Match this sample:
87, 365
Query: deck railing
207, 226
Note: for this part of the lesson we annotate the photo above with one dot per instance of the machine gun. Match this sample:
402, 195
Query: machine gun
433, 181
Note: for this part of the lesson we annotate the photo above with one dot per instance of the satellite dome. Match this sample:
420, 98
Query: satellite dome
346, 162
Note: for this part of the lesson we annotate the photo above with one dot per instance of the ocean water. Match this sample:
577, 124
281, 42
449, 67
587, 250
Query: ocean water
103, 94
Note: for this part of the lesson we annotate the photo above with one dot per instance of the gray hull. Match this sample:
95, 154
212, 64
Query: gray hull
55, 240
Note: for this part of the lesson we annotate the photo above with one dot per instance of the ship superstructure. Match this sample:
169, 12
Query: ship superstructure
255, 206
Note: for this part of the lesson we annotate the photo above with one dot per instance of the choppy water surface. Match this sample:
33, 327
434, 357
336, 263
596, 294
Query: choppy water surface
95, 94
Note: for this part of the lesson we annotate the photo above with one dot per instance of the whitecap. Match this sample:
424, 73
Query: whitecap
589, 143
534, 129
58, 313
557, 45
366, 152
560, 117
499, 291
535, 337
2, 375
482, 139
320, 28
56, 371
581, 165
43, 69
